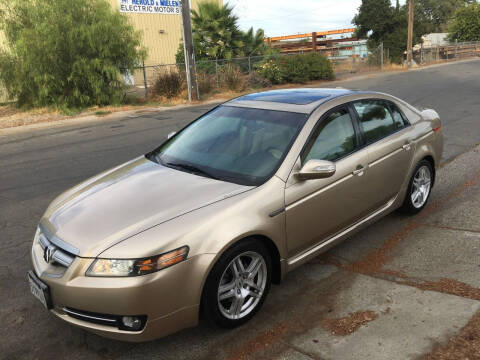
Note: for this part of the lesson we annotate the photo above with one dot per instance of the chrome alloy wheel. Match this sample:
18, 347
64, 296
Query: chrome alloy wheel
242, 285
421, 186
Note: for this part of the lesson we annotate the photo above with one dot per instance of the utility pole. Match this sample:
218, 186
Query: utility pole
410, 32
189, 52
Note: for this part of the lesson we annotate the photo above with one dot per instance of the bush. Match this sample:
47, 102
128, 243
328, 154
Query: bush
231, 77
256, 81
297, 69
270, 70
294, 69
168, 84
206, 82
206, 66
66, 53
319, 67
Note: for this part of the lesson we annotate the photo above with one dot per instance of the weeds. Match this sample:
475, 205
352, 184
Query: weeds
168, 84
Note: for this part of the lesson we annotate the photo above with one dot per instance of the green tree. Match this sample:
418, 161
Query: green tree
381, 22
68, 53
215, 31
439, 12
253, 42
374, 18
466, 23
216, 35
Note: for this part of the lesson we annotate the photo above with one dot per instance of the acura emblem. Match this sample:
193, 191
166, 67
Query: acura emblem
48, 253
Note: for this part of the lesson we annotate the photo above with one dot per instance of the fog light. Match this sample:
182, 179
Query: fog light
132, 322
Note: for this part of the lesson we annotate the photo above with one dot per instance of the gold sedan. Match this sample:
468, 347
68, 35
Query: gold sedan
202, 225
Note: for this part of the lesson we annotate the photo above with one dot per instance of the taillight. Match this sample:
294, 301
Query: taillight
437, 128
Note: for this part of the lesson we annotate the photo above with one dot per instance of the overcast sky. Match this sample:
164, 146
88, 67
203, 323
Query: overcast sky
285, 17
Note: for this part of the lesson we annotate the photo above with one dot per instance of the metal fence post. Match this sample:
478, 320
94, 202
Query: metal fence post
249, 65
381, 56
456, 48
216, 72
145, 79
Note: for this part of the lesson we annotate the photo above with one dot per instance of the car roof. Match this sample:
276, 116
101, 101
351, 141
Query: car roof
301, 100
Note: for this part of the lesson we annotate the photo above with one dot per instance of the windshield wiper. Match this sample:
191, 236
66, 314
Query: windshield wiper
193, 169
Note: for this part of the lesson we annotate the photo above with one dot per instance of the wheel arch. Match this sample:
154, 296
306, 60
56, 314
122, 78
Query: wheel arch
275, 256
269, 245
431, 160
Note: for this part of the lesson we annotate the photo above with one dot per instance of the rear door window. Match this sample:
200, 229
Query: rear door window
375, 119
398, 118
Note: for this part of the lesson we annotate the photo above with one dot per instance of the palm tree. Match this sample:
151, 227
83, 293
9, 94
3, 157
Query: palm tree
215, 31
253, 43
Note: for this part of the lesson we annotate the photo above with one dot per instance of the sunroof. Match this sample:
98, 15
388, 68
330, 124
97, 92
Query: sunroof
293, 96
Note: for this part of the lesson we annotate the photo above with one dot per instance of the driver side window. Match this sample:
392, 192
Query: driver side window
333, 139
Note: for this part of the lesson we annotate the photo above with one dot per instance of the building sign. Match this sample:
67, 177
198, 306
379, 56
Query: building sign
167, 7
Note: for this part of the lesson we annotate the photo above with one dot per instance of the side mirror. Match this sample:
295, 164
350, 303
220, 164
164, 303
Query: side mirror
316, 169
172, 134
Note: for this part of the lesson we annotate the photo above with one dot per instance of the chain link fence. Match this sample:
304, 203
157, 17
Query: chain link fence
376, 60
452, 51
235, 73
216, 74
211, 74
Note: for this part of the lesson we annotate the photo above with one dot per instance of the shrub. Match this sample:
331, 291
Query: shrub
256, 81
206, 82
168, 84
294, 69
319, 67
206, 66
297, 69
231, 77
67, 53
270, 70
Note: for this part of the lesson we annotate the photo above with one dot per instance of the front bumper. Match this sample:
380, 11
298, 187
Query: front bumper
169, 298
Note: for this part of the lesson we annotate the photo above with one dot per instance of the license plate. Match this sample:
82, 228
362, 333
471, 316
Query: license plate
39, 290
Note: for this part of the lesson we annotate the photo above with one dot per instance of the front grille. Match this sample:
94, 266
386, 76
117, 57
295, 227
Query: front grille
55, 250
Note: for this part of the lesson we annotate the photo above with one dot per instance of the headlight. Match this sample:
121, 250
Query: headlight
135, 267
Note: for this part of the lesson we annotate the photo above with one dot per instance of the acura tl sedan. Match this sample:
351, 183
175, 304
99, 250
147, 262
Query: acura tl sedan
202, 225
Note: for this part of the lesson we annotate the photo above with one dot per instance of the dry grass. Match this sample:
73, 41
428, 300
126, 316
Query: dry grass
363, 67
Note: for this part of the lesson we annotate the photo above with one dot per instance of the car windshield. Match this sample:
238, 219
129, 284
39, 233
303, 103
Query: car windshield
235, 144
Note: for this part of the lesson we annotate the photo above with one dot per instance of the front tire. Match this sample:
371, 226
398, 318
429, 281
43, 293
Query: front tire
419, 188
237, 284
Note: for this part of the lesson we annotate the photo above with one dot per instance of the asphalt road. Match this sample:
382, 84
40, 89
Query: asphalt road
38, 163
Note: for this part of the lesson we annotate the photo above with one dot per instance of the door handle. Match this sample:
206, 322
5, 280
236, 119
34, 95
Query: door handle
407, 146
359, 170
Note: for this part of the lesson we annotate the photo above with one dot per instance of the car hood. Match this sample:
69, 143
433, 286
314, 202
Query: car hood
126, 200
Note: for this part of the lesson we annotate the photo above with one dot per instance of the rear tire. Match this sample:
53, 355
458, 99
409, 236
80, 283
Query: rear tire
419, 189
237, 284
